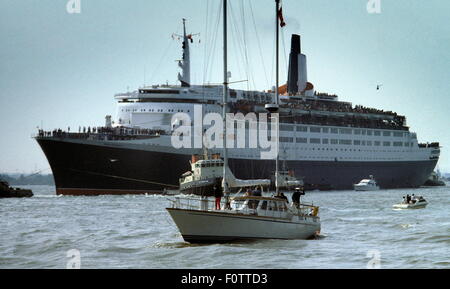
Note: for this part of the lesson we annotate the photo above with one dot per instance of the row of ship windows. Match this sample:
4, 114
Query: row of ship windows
353, 150
314, 129
338, 158
347, 131
345, 142
153, 110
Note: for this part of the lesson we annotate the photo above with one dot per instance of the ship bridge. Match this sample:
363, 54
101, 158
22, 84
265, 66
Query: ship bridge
156, 93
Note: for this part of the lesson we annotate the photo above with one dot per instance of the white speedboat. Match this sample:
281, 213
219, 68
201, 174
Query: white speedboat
417, 203
367, 185
247, 217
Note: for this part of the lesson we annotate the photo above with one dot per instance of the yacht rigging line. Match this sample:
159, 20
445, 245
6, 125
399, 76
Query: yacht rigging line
240, 40
236, 40
283, 43
211, 38
244, 38
259, 44
166, 51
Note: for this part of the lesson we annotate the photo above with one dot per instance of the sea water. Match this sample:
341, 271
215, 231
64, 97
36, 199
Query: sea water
359, 230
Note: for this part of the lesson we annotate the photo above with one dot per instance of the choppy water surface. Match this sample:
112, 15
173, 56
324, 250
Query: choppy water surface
137, 232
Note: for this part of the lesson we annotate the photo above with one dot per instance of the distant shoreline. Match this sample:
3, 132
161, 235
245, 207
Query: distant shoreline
27, 179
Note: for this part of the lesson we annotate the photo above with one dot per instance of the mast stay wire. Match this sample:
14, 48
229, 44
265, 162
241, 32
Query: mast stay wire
248, 60
284, 52
259, 43
165, 52
244, 37
212, 38
236, 40
205, 48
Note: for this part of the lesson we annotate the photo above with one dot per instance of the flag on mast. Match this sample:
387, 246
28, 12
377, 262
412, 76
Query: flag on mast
280, 16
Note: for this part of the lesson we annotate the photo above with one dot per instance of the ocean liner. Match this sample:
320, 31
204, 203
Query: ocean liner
328, 143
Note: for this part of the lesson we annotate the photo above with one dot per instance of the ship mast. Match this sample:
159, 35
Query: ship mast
184, 64
225, 97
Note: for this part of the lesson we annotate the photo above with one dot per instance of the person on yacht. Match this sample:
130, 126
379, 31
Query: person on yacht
218, 195
282, 196
296, 197
257, 192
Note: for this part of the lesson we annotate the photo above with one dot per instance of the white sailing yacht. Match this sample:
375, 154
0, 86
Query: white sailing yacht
246, 217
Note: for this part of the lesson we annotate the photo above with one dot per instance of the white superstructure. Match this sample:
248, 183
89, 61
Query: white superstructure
367, 185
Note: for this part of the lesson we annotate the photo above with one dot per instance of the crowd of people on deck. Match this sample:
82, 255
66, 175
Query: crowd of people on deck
111, 133
346, 122
358, 119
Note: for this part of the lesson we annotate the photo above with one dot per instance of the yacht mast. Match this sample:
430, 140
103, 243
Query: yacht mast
273, 108
277, 97
225, 97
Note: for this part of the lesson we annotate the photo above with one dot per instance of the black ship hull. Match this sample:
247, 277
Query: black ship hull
86, 169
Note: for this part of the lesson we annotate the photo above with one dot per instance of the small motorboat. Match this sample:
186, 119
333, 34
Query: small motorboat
367, 185
9, 192
413, 203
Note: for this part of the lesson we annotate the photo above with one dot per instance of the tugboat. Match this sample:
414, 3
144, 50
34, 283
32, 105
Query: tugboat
287, 181
9, 192
207, 172
434, 180
367, 185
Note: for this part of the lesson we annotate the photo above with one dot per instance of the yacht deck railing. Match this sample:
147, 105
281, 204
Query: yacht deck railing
251, 208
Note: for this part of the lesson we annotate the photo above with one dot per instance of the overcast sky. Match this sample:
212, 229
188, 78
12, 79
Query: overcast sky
59, 69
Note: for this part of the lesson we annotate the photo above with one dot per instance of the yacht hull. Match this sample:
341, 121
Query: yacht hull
366, 188
219, 226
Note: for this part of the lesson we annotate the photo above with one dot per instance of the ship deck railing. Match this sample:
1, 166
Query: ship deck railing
102, 134
429, 145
